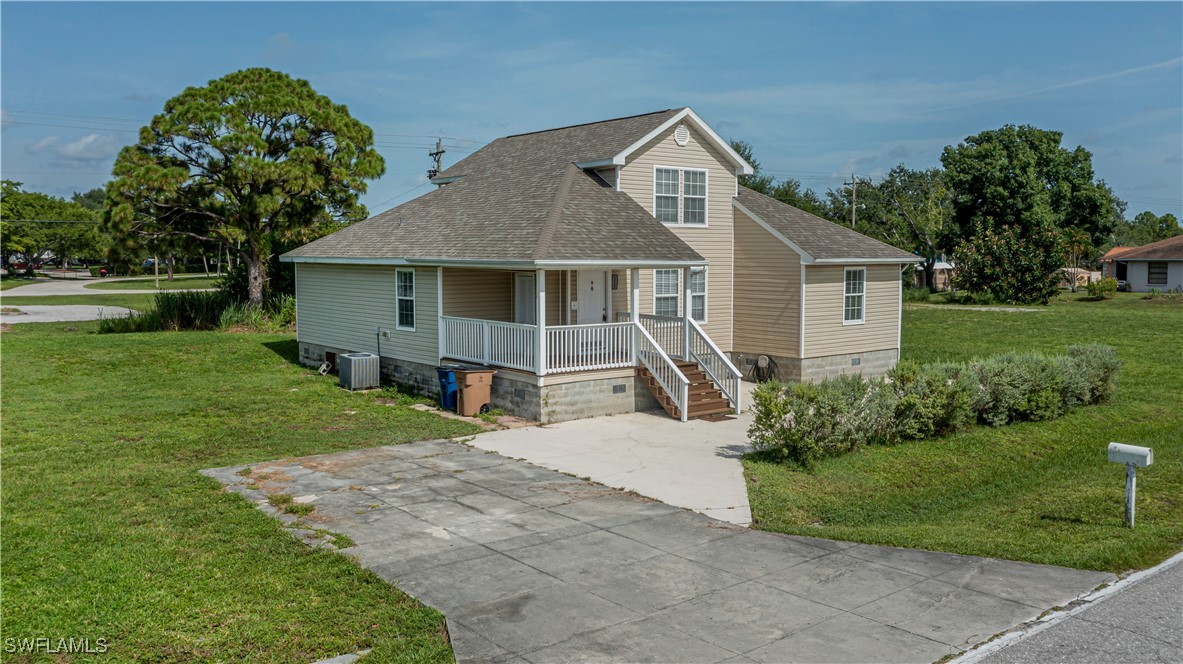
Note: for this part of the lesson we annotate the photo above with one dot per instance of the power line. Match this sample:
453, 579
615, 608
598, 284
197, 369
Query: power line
421, 184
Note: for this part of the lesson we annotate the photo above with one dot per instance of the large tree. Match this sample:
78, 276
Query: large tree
912, 210
1018, 182
249, 161
36, 225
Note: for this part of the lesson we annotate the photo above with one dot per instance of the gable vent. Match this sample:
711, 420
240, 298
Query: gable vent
681, 135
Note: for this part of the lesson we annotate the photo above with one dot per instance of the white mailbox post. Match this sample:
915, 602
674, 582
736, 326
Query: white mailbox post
1133, 457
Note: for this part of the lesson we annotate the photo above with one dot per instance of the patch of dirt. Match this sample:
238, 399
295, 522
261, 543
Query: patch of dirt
5, 327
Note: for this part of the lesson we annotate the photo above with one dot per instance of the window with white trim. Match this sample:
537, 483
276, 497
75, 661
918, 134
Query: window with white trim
665, 292
680, 196
405, 299
855, 294
698, 294
665, 202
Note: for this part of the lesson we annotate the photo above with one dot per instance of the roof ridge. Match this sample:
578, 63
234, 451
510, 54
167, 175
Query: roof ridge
550, 225
587, 124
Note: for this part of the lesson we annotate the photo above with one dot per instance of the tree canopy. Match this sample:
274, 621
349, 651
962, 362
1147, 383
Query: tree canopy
1146, 227
22, 233
251, 160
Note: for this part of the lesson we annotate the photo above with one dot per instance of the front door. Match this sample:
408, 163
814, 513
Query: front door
524, 311
593, 307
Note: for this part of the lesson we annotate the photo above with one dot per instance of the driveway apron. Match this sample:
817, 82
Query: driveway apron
531, 565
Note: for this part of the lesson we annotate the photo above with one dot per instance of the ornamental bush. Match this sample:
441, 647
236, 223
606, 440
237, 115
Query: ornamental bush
1102, 288
806, 422
1016, 266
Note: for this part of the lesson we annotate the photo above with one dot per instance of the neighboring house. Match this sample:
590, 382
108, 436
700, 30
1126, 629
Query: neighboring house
942, 276
1158, 265
603, 268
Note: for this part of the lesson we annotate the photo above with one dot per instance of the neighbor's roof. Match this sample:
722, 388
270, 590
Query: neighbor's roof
1170, 249
1115, 252
521, 199
815, 238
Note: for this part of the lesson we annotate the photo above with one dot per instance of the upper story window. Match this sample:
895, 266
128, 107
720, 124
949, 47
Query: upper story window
405, 294
855, 291
680, 195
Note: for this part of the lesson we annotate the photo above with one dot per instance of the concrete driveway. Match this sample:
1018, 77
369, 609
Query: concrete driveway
59, 313
531, 565
79, 286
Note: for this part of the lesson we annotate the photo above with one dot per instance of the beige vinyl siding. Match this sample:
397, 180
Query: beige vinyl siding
767, 292
342, 306
714, 241
485, 294
824, 332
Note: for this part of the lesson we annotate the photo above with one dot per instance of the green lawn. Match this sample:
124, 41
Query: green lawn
137, 301
110, 532
8, 283
146, 284
1041, 492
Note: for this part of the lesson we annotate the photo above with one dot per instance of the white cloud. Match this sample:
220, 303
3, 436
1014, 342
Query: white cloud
88, 149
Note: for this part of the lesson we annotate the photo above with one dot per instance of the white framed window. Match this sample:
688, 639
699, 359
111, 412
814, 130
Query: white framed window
854, 295
665, 292
680, 195
698, 294
665, 192
405, 299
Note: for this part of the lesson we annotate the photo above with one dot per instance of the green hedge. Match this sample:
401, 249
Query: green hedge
804, 422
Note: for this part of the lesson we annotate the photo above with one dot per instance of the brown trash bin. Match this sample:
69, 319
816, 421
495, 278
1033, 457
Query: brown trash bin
473, 388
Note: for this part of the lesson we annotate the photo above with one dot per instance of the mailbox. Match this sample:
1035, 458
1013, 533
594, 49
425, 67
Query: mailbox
1131, 454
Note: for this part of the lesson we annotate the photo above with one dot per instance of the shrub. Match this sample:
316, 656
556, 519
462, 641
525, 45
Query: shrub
1099, 365
1102, 288
916, 294
132, 322
930, 400
805, 422
1016, 265
191, 310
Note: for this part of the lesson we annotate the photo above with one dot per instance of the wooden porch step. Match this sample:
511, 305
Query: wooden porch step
705, 398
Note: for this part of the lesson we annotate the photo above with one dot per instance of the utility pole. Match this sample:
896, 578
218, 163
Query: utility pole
853, 198
437, 159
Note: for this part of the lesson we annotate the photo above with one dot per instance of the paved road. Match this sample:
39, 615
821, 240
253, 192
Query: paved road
531, 565
78, 287
1142, 622
60, 313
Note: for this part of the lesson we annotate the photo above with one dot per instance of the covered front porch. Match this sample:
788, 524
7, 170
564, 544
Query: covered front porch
547, 322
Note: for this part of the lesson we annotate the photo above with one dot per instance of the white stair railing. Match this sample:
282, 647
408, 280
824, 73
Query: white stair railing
664, 371
667, 331
718, 368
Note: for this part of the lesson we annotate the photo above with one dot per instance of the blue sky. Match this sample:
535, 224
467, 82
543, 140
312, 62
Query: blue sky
820, 90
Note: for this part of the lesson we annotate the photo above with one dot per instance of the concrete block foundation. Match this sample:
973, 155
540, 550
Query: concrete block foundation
794, 369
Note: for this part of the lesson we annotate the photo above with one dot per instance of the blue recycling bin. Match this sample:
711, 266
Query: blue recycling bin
448, 387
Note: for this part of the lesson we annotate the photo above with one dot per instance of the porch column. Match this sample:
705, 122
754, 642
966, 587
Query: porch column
634, 308
634, 302
686, 313
540, 318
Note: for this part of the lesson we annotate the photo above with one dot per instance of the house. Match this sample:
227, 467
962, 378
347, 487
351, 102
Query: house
1158, 265
603, 268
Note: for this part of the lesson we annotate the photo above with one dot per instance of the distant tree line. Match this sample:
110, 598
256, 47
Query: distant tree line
1009, 206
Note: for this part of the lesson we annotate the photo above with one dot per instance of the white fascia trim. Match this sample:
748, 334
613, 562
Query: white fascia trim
744, 167
602, 163
510, 265
865, 261
805, 257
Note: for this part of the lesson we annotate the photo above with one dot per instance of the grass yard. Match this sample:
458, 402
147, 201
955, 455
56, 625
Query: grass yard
185, 283
110, 532
1041, 492
8, 283
137, 301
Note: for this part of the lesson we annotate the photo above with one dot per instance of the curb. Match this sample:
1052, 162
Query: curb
1083, 602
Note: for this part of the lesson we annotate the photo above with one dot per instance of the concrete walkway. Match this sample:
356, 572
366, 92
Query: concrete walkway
531, 565
78, 287
59, 313
695, 465
1141, 622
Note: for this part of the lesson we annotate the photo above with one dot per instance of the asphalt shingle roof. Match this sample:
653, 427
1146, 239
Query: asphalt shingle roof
815, 236
1168, 249
521, 198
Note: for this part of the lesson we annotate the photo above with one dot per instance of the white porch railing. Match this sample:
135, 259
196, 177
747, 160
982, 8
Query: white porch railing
667, 331
663, 369
491, 342
589, 347
716, 365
